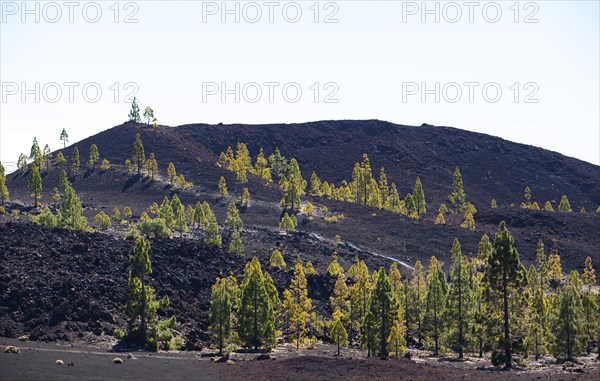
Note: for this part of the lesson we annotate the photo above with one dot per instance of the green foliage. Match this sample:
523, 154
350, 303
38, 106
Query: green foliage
458, 197
134, 113
212, 227
151, 166
223, 187
568, 324
36, 153
46, 218
219, 315
35, 184
156, 227
437, 290
293, 186
60, 158
494, 204
419, 198
103, 220
564, 206
297, 307
505, 276
71, 210
397, 340
75, 161
338, 334
384, 310
105, 165
116, 214
149, 114
255, 316
460, 308
288, 223
233, 220
4, 196
94, 156
139, 157
415, 303
142, 305
315, 185
334, 269
127, 213
179, 218
277, 260
236, 246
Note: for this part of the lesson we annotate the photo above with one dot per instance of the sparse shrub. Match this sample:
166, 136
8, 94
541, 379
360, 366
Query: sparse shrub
46, 218
548, 207
105, 165
564, 206
309, 209
494, 204
156, 227
334, 267
582, 210
309, 269
2, 210
127, 213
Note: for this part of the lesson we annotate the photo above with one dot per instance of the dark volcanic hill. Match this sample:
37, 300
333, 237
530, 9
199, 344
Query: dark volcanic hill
91, 268
491, 168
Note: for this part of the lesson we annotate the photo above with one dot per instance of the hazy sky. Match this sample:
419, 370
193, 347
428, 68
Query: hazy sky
527, 72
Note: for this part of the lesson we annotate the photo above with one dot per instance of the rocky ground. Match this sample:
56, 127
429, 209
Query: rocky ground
37, 361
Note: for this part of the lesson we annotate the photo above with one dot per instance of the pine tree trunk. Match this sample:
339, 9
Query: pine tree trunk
507, 349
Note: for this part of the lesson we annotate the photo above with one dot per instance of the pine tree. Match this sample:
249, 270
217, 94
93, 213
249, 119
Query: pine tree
293, 186
35, 184
384, 308
71, 211
245, 199
127, 212
460, 300
548, 207
222, 186
166, 211
261, 167
134, 113
219, 315
397, 340
256, 322
105, 165
315, 185
437, 290
555, 272
151, 166
274, 300
440, 219
309, 209
198, 215
541, 263
171, 173
75, 161
4, 195
94, 156
338, 334
538, 322
419, 198
414, 305
139, 157
47, 154
591, 315
297, 307
212, 230
288, 223
60, 158
384, 189
484, 249
334, 267
589, 273
236, 246
339, 301
64, 137
359, 293
411, 207
36, 153
505, 275
564, 206
469, 221
277, 260
103, 220
149, 114
494, 204
233, 221
458, 197
179, 219
568, 324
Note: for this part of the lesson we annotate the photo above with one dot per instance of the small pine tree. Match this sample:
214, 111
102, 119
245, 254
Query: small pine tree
139, 157
245, 198
127, 212
212, 231
338, 334
555, 272
75, 161
589, 273
151, 166
35, 185
443, 209
334, 268
233, 221
149, 114
103, 220
315, 185
277, 260
458, 197
419, 198
219, 315
548, 207
256, 323
105, 165
171, 173
397, 340
288, 223
297, 307
564, 206
440, 219
64, 137
309, 209
236, 246
134, 113
60, 158
494, 204
94, 156
469, 221
223, 187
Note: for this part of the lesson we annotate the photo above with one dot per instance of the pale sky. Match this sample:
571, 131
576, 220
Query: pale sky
384, 60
